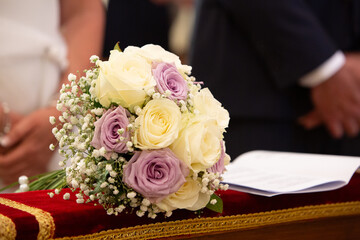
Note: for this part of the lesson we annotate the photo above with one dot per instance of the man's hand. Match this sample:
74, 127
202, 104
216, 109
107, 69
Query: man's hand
27, 146
337, 101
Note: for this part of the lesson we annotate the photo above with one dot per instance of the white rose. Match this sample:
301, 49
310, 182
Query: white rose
155, 53
207, 105
124, 80
187, 197
158, 125
199, 143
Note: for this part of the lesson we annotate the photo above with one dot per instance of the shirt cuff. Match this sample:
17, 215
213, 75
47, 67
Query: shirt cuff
324, 71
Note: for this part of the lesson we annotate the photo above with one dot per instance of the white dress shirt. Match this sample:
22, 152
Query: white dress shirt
324, 71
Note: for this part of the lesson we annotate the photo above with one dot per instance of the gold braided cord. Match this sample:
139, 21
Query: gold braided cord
7, 228
227, 223
45, 220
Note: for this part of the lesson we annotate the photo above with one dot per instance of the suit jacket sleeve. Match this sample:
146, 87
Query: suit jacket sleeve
285, 33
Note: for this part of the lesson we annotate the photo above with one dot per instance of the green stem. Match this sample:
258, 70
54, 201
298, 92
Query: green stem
52, 180
49, 180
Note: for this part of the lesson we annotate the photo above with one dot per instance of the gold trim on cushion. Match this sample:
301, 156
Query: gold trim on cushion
228, 223
45, 220
7, 228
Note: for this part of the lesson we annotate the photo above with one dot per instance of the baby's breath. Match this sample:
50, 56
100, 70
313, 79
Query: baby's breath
97, 173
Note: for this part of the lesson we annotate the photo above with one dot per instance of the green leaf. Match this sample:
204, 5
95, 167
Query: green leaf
117, 47
96, 190
101, 180
218, 206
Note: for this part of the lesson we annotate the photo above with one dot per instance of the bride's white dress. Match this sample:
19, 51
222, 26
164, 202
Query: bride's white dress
32, 54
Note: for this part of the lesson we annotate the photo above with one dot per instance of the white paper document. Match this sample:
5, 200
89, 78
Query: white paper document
269, 173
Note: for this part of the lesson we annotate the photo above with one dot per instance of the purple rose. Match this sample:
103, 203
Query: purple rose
106, 131
168, 78
219, 166
155, 174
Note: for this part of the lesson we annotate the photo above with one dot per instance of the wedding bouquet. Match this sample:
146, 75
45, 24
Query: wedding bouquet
138, 132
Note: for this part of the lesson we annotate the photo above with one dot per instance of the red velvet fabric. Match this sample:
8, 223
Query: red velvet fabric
73, 219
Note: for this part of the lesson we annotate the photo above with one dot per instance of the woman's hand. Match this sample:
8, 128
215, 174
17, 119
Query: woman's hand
27, 146
12, 118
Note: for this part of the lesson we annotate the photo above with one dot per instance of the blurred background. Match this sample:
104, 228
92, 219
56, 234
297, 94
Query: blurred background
139, 22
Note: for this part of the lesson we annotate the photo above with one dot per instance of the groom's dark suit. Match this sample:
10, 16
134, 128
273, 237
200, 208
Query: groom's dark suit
252, 53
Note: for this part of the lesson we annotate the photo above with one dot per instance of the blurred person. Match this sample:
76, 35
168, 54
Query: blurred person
183, 14
181, 29
287, 71
136, 23
42, 41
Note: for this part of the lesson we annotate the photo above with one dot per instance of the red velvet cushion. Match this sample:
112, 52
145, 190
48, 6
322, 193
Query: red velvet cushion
73, 219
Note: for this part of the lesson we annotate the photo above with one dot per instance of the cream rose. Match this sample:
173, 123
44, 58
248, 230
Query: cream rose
199, 143
187, 197
124, 80
158, 124
155, 53
207, 105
